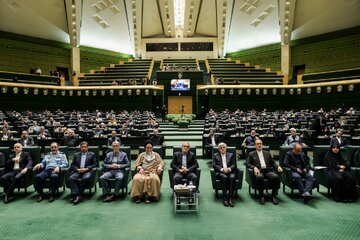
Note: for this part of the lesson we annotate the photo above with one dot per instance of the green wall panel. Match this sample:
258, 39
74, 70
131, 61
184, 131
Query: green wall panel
266, 56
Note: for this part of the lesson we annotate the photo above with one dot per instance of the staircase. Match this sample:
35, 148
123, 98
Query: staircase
175, 136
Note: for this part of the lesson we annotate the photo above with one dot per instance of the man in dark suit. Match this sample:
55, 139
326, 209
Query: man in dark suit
114, 165
184, 165
212, 139
338, 139
264, 168
25, 139
224, 164
84, 161
70, 140
113, 138
297, 161
156, 138
16, 167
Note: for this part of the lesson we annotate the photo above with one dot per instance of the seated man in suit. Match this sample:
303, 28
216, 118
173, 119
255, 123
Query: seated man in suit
157, 139
113, 138
212, 139
16, 167
84, 161
52, 165
224, 164
338, 139
293, 138
184, 165
263, 166
70, 140
114, 165
297, 161
25, 139
250, 140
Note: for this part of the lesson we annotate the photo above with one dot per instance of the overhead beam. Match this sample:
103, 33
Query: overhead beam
73, 10
286, 19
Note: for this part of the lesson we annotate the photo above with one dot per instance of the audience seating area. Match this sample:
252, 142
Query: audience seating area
338, 75
229, 72
315, 127
126, 73
29, 78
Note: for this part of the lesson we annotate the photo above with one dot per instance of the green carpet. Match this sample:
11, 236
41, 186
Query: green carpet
321, 218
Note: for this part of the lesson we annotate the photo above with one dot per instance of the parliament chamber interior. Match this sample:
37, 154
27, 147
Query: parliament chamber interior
179, 119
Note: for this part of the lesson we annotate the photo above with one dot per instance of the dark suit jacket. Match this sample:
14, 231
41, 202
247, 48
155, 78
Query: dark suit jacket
157, 140
90, 161
208, 140
218, 165
70, 141
25, 162
334, 141
290, 162
29, 141
254, 161
191, 162
111, 140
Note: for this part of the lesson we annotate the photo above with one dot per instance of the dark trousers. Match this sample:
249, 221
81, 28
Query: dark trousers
273, 179
227, 183
10, 180
343, 186
189, 176
41, 177
117, 175
309, 181
78, 182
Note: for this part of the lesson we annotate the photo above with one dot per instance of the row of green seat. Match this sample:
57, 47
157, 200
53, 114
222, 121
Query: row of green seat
29, 78
346, 74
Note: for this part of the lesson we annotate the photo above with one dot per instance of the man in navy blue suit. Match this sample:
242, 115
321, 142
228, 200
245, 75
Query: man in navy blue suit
81, 169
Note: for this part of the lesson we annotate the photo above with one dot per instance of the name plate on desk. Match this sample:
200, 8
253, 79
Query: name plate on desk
181, 188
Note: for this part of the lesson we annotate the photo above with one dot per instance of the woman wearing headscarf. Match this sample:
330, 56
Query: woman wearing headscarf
146, 182
342, 183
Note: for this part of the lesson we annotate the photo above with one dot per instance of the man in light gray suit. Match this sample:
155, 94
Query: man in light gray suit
114, 166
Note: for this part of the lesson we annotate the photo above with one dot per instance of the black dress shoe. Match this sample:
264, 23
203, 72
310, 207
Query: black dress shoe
274, 200
231, 203
77, 200
51, 199
40, 198
226, 203
137, 200
262, 200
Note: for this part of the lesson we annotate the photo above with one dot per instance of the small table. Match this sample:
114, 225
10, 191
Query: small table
186, 200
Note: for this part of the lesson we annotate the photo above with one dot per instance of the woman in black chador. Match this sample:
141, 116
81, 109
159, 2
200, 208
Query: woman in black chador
342, 183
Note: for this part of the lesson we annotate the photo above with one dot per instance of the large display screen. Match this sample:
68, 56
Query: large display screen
180, 85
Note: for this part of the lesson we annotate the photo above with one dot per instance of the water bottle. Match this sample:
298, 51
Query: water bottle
191, 186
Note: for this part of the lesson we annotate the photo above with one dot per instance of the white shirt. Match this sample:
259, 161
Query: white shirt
17, 161
223, 158
261, 158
